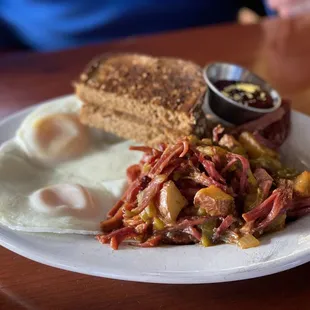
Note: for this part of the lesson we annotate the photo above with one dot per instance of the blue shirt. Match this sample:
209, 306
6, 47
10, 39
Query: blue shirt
57, 24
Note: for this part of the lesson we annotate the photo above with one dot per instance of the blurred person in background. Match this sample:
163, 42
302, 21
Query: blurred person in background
57, 24
287, 8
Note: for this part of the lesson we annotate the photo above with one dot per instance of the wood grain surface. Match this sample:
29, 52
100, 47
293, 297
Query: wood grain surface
278, 50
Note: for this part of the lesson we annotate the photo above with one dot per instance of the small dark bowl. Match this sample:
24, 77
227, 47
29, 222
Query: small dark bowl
228, 109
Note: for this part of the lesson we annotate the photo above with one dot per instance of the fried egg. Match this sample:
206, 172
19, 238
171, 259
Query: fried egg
59, 176
52, 135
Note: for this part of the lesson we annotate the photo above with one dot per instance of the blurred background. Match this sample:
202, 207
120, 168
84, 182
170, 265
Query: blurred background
49, 25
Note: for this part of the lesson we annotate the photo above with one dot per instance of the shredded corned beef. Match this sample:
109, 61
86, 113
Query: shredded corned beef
226, 223
185, 147
169, 153
145, 149
274, 126
202, 179
263, 215
210, 168
117, 237
207, 192
299, 207
243, 173
188, 221
150, 192
259, 138
278, 131
264, 181
113, 222
133, 172
299, 212
151, 242
261, 210
300, 203
193, 231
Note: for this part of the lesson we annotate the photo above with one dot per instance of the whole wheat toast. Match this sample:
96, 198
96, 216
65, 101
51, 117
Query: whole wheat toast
160, 92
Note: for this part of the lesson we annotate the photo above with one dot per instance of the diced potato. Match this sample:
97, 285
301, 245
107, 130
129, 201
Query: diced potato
302, 184
254, 148
212, 150
144, 216
248, 241
229, 141
149, 212
215, 192
239, 150
214, 201
171, 202
232, 144
205, 142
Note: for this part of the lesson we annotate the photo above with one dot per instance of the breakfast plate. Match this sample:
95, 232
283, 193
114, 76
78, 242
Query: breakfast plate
168, 264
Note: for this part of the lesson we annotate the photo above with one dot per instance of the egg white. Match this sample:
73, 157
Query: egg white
102, 171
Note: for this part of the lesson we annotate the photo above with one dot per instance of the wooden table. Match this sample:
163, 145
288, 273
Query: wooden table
279, 50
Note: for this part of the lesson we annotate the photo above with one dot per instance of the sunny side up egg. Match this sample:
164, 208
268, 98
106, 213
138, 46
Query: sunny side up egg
59, 176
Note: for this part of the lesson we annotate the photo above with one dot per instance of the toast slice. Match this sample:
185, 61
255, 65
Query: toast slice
163, 92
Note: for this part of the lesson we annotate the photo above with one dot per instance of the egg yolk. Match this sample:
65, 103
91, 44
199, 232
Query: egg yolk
60, 137
64, 199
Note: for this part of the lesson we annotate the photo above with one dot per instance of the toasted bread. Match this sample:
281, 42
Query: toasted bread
160, 92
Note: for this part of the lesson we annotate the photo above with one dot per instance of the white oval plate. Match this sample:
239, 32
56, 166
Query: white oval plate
170, 264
